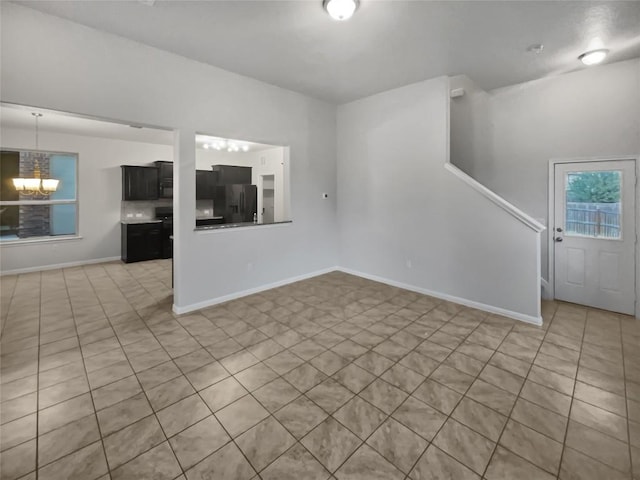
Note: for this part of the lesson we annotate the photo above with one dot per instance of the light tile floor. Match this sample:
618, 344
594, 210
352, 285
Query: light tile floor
333, 377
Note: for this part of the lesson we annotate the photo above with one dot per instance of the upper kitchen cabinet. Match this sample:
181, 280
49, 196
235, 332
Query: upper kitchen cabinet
139, 183
232, 175
165, 179
205, 184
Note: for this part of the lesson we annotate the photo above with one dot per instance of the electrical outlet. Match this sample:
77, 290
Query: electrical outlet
129, 215
138, 215
249, 266
206, 212
409, 264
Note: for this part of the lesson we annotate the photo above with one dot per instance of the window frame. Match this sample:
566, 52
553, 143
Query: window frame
75, 201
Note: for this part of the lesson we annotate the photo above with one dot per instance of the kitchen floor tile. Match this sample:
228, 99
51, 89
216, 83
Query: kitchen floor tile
241, 415
480, 418
436, 464
223, 393
397, 444
420, 417
297, 463
505, 465
227, 463
198, 441
384, 396
159, 463
533, 446
329, 395
118, 416
66, 439
261, 453
300, 416
353, 377
465, 445
331, 443
88, 462
540, 419
274, 395
367, 464
373, 363
438, 396
599, 446
129, 442
360, 417
403, 378
182, 414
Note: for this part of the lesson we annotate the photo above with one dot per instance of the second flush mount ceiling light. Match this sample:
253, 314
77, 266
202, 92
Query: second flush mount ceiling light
340, 9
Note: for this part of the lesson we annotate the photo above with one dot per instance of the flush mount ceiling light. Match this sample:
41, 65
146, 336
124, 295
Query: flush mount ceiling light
340, 9
593, 57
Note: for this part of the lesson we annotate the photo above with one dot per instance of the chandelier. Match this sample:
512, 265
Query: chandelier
36, 185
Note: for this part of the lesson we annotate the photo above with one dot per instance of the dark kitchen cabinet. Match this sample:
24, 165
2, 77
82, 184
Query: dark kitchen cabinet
205, 184
141, 241
139, 183
165, 179
232, 175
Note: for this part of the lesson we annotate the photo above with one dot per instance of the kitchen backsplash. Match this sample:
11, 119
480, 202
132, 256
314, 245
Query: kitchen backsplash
146, 210
204, 208
142, 210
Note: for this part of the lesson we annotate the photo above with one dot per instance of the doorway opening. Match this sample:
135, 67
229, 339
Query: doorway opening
268, 198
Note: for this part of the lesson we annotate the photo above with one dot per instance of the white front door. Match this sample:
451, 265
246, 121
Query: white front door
595, 234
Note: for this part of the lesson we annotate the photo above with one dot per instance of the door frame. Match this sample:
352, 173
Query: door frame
551, 219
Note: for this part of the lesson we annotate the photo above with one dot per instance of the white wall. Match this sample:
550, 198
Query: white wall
102, 75
470, 126
590, 113
404, 218
99, 195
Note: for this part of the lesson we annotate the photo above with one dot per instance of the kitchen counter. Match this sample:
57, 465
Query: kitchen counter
135, 221
237, 225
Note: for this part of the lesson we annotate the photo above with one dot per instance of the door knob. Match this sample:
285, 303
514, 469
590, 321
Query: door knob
559, 230
558, 239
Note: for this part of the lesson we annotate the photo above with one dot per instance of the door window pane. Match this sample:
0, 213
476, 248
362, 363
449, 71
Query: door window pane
593, 204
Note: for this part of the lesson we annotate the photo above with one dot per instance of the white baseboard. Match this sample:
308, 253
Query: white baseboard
443, 296
42, 268
233, 296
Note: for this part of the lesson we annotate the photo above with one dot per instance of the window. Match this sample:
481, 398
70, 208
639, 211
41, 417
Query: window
28, 214
593, 206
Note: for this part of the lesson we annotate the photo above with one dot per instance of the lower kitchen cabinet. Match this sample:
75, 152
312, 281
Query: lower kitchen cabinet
141, 241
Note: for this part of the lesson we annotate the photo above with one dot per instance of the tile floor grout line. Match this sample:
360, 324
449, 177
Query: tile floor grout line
449, 416
95, 411
197, 392
626, 402
546, 331
566, 432
397, 362
154, 413
37, 452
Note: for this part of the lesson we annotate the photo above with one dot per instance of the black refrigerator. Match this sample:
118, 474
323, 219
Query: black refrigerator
236, 203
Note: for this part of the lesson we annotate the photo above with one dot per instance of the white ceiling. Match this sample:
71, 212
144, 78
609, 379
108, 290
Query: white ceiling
387, 44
